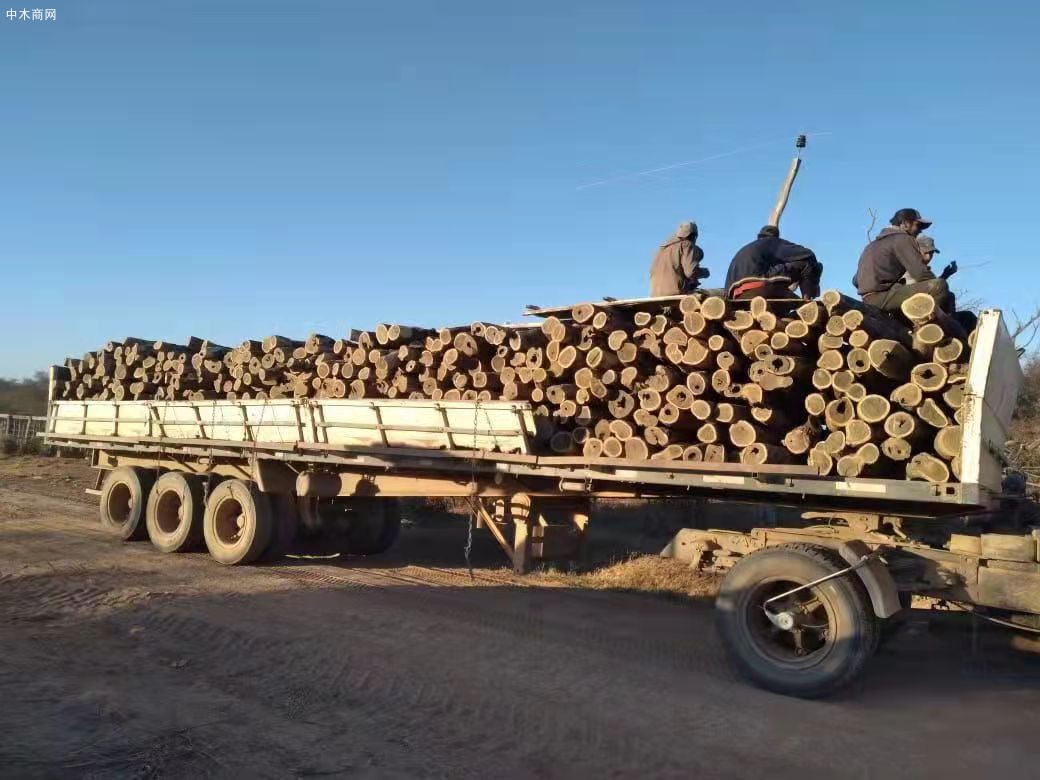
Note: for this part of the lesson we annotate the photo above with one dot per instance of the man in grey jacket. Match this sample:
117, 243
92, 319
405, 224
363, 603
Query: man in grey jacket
676, 266
893, 255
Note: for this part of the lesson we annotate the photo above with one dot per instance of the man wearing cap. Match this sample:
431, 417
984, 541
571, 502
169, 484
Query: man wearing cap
893, 255
676, 266
771, 267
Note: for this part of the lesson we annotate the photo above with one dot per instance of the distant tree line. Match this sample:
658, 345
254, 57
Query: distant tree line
24, 396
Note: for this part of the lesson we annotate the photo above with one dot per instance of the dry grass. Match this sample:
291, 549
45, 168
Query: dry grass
648, 574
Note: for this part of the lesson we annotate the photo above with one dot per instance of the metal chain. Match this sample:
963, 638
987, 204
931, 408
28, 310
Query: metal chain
472, 499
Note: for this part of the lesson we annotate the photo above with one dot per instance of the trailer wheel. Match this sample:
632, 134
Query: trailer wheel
374, 526
174, 513
237, 524
124, 496
817, 640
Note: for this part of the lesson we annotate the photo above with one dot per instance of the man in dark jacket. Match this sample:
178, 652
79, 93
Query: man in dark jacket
770, 267
676, 266
893, 255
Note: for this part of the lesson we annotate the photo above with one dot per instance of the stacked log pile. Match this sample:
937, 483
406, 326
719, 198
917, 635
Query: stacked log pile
831, 382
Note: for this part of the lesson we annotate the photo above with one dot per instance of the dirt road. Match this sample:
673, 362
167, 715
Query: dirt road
116, 661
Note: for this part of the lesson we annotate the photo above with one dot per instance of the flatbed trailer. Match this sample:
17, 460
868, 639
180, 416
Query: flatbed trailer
802, 607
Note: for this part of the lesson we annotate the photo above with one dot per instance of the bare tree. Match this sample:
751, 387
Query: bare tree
873, 221
1025, 331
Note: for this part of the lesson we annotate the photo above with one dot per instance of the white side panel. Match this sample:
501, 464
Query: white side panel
448, 425
444, 425
994, 380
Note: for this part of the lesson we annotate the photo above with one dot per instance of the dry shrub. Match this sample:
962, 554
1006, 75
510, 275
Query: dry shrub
640, 574
1024, 443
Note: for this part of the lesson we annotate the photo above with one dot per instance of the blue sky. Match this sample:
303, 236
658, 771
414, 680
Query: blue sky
234, 169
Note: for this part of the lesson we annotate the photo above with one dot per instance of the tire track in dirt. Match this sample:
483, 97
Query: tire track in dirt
317, 675
43, 598
539, 624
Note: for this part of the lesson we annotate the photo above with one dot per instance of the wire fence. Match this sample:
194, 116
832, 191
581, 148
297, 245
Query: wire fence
18, 431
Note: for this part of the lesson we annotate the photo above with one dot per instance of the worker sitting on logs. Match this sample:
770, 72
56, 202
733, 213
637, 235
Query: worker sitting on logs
676, 267
893, 255
771, 267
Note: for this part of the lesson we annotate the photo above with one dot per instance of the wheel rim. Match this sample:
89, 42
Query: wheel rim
169, 512
120, 503
229, 522
810, 638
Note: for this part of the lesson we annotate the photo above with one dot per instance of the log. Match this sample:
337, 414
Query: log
890, 358
950, 350
858, 339
828, 342
671, 452
930, 377
927, 467
696, 382
702, 410
621, 430
875, 322
744, 433
925, 339
644, 418
797, 330
728, 413
812, 313
896, 449
901, 425
714, 308
822, 379
800, 440
873, 409
921, 309
694, 453
841, 381
858, 361
708, 433
953, 396
831, 360
908, 396
858, 432
759, 453
593, 448
821, 460
839, 413
948, 442
815, 404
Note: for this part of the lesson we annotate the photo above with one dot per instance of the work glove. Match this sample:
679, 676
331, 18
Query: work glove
949, 270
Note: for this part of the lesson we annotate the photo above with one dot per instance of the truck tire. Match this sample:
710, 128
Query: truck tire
174, 512
833, 634
286, 524
124, 496
375, 525
237, 524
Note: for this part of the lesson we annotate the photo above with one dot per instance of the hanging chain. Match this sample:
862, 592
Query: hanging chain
472, 498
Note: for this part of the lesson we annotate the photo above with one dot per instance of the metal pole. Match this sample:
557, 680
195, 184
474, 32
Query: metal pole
785, 189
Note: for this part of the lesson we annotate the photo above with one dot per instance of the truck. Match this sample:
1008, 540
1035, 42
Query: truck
802, 603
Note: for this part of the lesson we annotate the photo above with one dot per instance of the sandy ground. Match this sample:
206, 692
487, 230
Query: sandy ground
116, 661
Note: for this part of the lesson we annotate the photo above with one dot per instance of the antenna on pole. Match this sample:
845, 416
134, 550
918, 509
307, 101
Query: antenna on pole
785, 189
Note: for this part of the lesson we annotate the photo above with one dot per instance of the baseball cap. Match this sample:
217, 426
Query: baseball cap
910, 215
686, 229
927, 244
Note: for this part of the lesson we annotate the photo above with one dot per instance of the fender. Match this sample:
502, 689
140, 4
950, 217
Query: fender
876, 578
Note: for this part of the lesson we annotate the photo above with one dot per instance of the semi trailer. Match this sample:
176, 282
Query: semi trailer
802, 604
